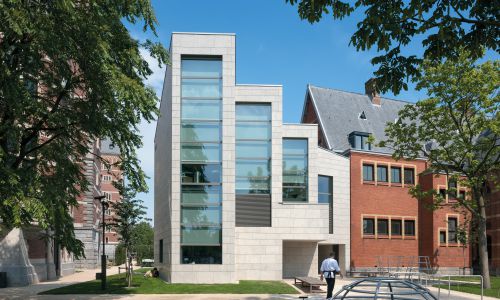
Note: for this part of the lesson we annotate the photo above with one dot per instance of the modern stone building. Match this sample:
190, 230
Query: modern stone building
239, 194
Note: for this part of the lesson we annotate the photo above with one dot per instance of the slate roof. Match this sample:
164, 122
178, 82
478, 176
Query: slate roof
339, 115
108, 148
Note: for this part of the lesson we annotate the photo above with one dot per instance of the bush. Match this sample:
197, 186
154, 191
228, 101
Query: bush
120, 255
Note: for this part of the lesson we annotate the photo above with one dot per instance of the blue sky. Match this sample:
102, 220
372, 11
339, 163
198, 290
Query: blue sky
273, 46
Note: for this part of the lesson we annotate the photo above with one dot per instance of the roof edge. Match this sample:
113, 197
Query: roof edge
319, 116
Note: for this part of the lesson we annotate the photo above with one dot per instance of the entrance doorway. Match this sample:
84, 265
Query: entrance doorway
324, 252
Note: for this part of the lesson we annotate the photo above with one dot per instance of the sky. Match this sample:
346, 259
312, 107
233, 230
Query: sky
273, 46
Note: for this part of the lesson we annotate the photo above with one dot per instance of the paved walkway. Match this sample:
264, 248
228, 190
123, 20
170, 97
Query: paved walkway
30, 292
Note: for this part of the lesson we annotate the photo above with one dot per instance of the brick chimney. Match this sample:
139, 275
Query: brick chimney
372, 91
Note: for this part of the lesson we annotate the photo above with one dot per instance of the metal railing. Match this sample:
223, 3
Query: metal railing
458, 281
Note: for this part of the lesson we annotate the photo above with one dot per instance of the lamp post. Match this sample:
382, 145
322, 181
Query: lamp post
104, 204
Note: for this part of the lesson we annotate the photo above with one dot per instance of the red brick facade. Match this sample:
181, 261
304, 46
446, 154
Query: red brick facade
381, 201
111, 192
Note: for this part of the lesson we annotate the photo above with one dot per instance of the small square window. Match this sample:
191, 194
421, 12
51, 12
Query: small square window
410, 227
395, 174
383, 226
442, 193
369, 226
452, 188
368, 172
382, 173
409, 176
396, 227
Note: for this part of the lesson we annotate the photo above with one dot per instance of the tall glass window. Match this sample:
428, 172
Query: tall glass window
325, 195
253, 148
201, 167
295, 170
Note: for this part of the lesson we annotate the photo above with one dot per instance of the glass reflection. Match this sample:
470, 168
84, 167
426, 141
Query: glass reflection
202, 152
201, 194
201, 236
201, 109
201, 88
200, 132
199, 68
201, 215
201, 173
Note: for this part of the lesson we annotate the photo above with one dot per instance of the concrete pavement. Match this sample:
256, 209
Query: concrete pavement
30, 292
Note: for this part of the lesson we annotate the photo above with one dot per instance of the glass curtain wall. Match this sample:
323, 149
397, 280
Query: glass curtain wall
253, 148
201, 166
295, 170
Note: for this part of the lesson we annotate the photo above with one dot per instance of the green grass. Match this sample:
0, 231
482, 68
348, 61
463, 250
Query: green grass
116, 285
474, 287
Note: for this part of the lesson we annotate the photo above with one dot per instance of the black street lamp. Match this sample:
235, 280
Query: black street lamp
105, 205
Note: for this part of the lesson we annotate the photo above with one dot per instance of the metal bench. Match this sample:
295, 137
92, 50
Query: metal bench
309, 281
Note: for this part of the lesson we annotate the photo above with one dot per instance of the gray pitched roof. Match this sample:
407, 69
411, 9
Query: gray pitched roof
339, 114
107, 147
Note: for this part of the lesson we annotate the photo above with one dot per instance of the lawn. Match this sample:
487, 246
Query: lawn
474, 287
116, 285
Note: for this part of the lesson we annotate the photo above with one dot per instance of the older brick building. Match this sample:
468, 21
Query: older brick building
111, 154
28, 257
387, 223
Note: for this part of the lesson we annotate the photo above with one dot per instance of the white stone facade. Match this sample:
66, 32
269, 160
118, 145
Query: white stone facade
295, 243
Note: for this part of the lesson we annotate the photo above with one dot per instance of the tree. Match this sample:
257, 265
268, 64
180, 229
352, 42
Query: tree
128, 213
458, 130
70, 74
391, 26
142, 241
120, 257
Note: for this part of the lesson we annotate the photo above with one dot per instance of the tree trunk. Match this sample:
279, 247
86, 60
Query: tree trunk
483, 242
127, 267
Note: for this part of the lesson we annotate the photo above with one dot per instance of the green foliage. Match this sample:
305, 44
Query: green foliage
458, 127
120, 255
128, 213
458, 131
142, 241
70, 73
390, 26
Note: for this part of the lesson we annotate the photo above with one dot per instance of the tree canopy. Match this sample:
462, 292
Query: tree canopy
457, 129
70, 74
391, 26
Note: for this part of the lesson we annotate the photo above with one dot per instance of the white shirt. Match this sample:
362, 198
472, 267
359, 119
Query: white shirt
329, 264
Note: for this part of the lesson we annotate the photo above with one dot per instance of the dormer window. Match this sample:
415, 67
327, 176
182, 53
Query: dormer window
362, 116
359, 140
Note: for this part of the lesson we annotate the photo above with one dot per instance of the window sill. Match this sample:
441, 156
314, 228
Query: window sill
410, 237
383, 236
453, 244
372, 237
369, 182
383, 183
396, 237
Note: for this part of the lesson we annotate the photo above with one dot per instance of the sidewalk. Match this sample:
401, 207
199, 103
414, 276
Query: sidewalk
31, 291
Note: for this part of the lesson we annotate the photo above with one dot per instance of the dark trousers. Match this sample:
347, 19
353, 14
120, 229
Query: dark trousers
331, 283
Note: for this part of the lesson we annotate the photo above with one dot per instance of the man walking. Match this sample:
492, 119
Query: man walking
329, 267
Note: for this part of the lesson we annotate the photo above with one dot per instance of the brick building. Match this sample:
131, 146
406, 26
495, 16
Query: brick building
28, 258
111, 154
387, 223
